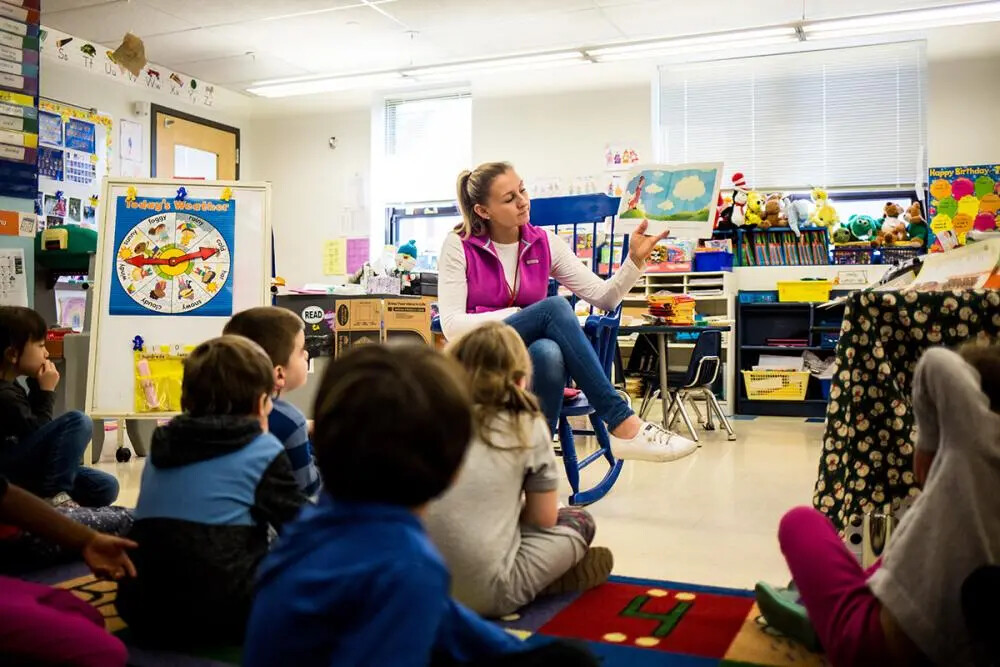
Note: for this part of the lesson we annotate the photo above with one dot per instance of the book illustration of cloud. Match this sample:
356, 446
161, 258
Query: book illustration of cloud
679, 197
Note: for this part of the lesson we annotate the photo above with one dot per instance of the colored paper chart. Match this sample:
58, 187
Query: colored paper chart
963, 199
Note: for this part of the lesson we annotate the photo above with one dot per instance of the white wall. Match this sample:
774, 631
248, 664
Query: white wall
963, 112
545, 135
93, 91
312, 184
561, 135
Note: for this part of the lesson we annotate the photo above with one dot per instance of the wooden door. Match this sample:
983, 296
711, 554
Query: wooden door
185, 146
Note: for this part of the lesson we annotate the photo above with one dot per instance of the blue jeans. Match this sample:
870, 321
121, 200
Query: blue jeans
48, 462
557, 345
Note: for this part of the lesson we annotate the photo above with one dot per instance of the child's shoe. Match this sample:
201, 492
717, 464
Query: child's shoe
592, 571
62, 500
653, 443
781, 609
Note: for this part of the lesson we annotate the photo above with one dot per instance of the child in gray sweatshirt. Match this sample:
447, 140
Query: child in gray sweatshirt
907, 609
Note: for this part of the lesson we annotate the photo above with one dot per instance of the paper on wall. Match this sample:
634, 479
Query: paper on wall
13, 282
335, 257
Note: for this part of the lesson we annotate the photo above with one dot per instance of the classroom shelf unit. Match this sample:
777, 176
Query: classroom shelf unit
714, 295
756, 323
779, 246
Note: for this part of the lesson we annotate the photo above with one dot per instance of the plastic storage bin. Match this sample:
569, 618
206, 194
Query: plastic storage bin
713, 261
824, 387
776, 385
759, 297
804, 291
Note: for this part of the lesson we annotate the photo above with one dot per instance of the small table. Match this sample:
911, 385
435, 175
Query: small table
662, 346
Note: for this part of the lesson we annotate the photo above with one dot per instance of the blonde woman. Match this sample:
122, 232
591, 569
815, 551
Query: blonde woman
496, 267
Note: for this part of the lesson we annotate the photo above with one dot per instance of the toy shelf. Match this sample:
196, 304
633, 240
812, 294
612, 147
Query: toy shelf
779, 246
756, 323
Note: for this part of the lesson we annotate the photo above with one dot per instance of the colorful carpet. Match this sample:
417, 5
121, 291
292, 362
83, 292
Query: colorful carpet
627, 622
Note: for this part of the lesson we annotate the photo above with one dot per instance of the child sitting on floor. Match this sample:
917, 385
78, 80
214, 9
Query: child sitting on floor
355, 581
499, 527
214, 484
906, 609
280, 332
41, 454
40, 625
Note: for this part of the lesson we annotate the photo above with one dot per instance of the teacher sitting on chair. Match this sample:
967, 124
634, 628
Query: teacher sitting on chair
496, 266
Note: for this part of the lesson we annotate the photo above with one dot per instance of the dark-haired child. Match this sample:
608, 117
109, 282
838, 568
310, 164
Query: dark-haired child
355, 580
39, 453
281, 333
214, 485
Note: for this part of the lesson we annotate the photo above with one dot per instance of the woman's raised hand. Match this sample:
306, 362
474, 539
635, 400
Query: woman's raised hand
640, 246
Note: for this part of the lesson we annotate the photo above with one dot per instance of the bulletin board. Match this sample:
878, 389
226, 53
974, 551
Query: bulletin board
962, 199
171, 268
74, 155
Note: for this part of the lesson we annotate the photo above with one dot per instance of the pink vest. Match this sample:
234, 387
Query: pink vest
488, 289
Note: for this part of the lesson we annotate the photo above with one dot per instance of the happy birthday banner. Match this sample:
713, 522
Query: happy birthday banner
97, 59
964, 198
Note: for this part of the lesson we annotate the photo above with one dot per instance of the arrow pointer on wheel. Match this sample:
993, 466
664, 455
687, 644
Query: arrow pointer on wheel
202, 254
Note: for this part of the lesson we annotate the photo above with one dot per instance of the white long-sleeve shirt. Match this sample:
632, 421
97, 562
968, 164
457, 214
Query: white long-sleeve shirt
567, 269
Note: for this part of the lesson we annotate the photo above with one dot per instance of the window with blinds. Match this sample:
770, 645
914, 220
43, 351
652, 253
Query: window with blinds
428, 141
852, 117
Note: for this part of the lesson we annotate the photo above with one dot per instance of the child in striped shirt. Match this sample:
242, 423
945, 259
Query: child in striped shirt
281, 333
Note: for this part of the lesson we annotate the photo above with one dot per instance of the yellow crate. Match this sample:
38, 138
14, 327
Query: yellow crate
801, 291
776, 385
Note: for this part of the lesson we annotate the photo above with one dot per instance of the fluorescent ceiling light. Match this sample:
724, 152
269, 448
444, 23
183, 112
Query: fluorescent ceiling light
497, 64
325, 85
913, 19
696, 44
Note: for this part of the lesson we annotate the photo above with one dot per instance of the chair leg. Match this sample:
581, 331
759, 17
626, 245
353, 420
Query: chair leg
687, 418
671, 416
570, 461
697, 412
648, 402
714, 405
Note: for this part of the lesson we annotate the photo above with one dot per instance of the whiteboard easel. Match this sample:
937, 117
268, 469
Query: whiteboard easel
110, 376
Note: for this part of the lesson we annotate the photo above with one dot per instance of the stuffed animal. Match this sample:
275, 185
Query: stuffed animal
772, 212
797, 212
825, 215
755, 208
842, 236
406, 260
893, 229
738, 215
916, 225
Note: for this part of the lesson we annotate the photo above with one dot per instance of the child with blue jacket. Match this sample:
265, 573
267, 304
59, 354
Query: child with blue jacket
355, 580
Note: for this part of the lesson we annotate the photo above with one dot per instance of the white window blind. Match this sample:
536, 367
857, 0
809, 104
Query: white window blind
848, 117
428, 141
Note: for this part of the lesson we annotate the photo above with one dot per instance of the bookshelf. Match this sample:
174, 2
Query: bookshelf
714, 296
758, 322
781, 247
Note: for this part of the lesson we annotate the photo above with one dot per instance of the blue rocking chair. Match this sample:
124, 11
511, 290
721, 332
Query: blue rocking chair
602, 330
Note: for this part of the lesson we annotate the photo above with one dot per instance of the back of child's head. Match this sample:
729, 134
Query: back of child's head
392, 423
273, 328
498, 365
227, 375
18, 327
986, 360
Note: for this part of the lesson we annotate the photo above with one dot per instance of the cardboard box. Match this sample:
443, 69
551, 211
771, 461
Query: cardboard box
317, 314
358, 322
406, 320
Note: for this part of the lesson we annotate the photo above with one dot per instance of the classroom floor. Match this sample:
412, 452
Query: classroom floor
711, 518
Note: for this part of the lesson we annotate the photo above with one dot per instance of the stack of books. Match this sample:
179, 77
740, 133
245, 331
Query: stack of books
674, 309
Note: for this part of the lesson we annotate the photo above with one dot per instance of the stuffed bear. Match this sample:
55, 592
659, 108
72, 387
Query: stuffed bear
755, 209
773, 213
893, 230
916, 226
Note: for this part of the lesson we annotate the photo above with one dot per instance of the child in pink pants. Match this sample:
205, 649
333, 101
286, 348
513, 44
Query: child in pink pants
44, 625
907, 608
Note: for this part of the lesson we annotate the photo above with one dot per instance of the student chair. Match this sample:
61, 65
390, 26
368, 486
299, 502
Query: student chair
602, 331
702, 371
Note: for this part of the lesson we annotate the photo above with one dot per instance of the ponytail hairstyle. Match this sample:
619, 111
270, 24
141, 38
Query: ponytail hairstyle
497, 363
474, 188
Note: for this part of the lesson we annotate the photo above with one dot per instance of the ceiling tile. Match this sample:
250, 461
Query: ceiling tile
107, 23
439, 14
50, 6
215, 12
654, 19
531, 32
198, 44
243, 68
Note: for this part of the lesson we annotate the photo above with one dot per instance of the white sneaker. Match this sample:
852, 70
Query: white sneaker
653, 443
